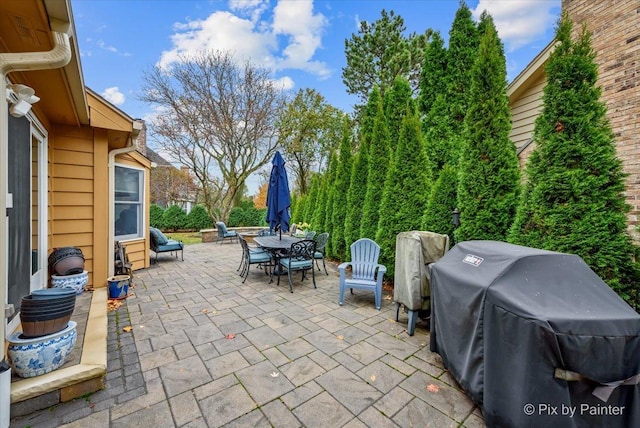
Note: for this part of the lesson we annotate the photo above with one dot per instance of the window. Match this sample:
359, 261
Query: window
129, 199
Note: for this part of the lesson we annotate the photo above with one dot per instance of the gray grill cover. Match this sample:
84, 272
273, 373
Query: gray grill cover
505, 317
415, 250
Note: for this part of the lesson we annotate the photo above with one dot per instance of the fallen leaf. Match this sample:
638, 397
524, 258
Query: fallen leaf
230, 336
433, 388
392, 320
387, 297
340, 337
92, 405
373, 378
127, 329
275, 374
204, 311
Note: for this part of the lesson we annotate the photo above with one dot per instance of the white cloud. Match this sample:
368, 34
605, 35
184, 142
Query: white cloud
285, 83
255, 39
113, 95
520, 22
296, 20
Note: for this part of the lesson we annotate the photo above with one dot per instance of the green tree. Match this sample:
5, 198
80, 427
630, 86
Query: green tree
199, 219
379, 53
442, 201
573, 200
396, 102
312, 200
379, 159
489, 171
433, 75
319, 210
463, 48
174, 218
406, 191
341, 189
156, 213
308, 130
360, 170
328, 205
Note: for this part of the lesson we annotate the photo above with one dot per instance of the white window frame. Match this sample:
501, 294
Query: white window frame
140, 203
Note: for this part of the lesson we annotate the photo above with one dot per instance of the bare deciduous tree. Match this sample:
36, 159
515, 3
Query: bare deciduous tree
218, 117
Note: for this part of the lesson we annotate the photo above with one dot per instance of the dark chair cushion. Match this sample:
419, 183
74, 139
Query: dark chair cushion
158, 236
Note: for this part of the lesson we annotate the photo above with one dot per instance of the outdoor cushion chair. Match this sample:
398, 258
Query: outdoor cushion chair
299, 258
161, 244
252, 256
310, 235
321, 242
224, 233
266, 232
366, 272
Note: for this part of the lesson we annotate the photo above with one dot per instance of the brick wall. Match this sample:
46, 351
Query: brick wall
615, 29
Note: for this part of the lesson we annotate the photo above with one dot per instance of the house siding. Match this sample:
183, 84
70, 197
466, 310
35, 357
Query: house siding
524, 112
71, 195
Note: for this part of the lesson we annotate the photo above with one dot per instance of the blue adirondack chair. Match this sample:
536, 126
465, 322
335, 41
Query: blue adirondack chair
366, 272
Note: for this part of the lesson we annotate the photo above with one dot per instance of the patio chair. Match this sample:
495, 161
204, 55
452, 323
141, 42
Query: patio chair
321, 243
252, 256
310, 235
366, 272
293, 229
299, 258
161, 244
224, 233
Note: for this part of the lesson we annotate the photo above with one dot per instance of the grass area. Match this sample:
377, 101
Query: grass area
186, 237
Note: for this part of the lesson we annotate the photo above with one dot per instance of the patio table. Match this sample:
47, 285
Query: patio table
277, 246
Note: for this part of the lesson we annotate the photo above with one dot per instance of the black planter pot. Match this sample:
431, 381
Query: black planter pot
66, 261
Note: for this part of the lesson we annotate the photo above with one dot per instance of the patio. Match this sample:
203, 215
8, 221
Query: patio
206, 350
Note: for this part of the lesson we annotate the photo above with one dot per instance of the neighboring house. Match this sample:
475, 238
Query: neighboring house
68, 165
616, 41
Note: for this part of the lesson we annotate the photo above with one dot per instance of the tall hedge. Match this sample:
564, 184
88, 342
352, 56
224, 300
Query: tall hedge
433, 74
379, 159
397, 100
155, 216
311, 201
199, 219
573, 200
328, 205
341, 189
489, 171
442, 200
174, 218
360, 171
405, 192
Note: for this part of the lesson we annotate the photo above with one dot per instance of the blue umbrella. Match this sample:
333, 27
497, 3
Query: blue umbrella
278, 197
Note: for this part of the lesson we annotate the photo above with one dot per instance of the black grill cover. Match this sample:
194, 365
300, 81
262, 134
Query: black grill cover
505, 317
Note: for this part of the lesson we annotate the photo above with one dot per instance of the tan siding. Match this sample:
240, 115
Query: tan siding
524, 111
71, 196
100, 210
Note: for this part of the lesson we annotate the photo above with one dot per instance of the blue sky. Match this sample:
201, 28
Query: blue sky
302, 41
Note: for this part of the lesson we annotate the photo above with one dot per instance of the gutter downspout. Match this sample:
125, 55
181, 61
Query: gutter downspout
57, 57
130, 147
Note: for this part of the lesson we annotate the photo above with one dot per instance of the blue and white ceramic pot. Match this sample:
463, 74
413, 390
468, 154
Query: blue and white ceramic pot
40, 355
77, 281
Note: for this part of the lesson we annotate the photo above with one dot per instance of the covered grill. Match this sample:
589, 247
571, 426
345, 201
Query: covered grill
535, 337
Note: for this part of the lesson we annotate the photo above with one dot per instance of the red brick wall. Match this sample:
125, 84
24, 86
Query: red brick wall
615, 29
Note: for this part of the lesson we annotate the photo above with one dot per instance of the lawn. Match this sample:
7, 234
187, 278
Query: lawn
186, 237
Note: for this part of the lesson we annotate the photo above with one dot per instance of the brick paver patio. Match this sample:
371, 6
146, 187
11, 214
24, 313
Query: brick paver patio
206, 350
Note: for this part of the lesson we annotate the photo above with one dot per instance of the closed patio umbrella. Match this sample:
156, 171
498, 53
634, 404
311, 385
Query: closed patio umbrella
278, 197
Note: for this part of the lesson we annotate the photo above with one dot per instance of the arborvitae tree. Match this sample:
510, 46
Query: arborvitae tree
359, 172
433, 76
300, 209
573, 200
317, 219
312, 200
341, 186
442, 201
328, 211
293, 209
489, 172
405, 193
395, 102
463, 48
379, 160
